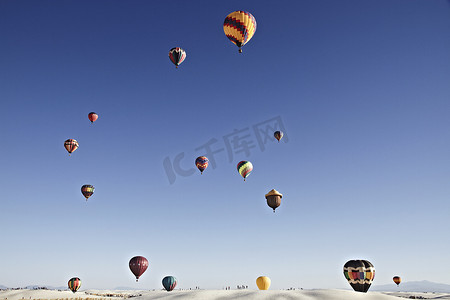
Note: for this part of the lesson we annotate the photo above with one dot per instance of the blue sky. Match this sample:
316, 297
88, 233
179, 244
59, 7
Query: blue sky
361, 88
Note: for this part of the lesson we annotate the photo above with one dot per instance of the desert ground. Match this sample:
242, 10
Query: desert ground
219, 295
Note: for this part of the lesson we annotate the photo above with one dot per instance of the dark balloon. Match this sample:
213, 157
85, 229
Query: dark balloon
397, 280
169, 283
177, 56
74, 284
87, 190
278, 135
202, 163
138, 265
274, 199
360, 274
92, 117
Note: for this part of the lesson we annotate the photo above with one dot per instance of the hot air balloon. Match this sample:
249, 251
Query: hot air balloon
138, 265
70, 145
360, 274
74, 284
244, 168
202, 163
92, 117
397, 280
274, 199
239, 27
169, 283
177, 56
87, 190
263, 282
278, 135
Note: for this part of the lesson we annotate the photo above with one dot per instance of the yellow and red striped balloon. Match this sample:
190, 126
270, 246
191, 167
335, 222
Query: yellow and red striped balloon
71, 145
244, 168
239, 27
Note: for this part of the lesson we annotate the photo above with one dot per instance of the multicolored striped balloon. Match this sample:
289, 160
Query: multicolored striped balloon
278, 135
169, 283
239, 27
177, 56
74, 284
202, 163
87, 190
244, 168
138, 265
92, 117
71, 145
360, 274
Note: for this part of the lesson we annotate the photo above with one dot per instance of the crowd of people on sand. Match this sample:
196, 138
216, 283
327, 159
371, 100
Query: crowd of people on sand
239, 287
25, 288
190, 289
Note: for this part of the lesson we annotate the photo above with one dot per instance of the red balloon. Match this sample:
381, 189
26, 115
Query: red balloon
92, 117
138, 265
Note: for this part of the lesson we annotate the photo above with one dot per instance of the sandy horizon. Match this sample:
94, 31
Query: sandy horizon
249, 294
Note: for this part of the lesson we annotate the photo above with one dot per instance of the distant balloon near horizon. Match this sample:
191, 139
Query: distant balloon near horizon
74, 284
202, 163
360, 274
71, 145
278, 135
244, 168
87, 190
239, 27
138, 265
177, 55
169, 283
274, 199
263, 282
397, 280
92, 117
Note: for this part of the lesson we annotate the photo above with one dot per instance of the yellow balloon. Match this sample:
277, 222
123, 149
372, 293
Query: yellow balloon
263, 282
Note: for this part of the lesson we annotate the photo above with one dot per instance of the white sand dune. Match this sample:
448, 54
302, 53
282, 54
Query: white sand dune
41, 294
219, 295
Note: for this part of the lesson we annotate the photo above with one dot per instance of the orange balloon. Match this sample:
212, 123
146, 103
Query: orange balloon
92, 117
397, 279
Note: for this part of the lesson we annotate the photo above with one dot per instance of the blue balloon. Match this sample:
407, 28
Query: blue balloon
169, 283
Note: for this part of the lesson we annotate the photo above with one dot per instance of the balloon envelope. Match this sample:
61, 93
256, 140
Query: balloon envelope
169, 283
87, 190
74, 284
397, 280
263, 282
360, 274
70, 145
202, 163
138, 265
92, 117
278, 135
274, 199
177, 56
244, 168
239, 27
